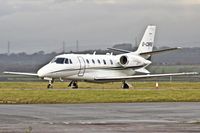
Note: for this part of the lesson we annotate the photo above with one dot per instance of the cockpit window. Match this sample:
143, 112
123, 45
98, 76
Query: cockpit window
59, 60
66, 61
62, 61
53, 60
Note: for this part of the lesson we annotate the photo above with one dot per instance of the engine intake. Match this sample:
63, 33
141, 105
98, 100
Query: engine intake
123, 60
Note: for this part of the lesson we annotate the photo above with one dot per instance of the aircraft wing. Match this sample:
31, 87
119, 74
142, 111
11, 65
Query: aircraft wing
160, 51
119, 50
20, 73
142, 76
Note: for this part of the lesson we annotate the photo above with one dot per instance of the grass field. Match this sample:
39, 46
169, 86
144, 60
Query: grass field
36, 93
85, 85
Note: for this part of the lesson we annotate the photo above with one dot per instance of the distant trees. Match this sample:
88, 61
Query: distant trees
32, 62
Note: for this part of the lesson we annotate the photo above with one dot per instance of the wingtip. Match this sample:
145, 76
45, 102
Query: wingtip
5, 72
192, 73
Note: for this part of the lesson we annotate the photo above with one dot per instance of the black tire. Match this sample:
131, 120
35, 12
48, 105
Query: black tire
125, 86
74, 85
49, 86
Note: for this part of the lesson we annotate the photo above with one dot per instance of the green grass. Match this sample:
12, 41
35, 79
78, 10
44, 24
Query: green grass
97, 96
36, 93
85, 85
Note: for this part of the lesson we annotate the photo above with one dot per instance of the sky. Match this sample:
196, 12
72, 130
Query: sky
42, 25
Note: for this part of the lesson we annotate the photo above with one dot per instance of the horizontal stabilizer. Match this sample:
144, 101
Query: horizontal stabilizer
142, 76
119, 50
20, 73
159, 51
142, 70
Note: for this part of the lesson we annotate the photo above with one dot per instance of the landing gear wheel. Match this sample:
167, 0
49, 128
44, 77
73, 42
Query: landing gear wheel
125, 85
73, 84
50, 85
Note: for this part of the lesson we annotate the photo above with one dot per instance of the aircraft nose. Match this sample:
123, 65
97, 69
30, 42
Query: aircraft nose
41, 72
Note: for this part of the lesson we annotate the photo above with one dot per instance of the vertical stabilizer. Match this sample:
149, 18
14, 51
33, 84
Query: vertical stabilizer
147, 42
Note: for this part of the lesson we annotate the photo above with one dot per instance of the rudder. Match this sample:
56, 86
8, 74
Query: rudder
147, 42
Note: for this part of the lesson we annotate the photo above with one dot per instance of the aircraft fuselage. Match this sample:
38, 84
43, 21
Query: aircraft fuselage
88, 66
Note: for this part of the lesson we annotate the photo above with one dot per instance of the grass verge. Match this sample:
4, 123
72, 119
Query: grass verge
116, 85
96, 96
35, 93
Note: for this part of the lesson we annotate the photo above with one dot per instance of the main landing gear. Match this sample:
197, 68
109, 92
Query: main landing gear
125, 85
73, 84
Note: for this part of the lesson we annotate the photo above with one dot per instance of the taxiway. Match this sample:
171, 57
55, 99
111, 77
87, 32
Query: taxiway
100, 118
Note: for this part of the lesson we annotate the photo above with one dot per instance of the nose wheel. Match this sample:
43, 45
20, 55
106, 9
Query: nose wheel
73, 84
50, 85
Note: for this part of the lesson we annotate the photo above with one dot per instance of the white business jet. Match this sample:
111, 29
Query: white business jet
103, 68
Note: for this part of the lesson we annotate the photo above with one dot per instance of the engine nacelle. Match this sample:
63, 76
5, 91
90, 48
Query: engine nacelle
123, 60
133, 61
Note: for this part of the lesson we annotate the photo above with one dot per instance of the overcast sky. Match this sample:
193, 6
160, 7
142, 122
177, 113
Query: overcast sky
34, 25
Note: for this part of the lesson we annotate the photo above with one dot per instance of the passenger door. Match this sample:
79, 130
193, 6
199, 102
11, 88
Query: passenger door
82, 66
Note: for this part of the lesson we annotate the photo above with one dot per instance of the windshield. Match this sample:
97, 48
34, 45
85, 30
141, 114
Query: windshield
61, 61
58, 60
53, 60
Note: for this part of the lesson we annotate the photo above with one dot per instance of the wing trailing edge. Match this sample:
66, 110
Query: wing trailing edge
142, 76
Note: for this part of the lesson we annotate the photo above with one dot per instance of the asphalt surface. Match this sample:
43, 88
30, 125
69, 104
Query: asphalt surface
101, 118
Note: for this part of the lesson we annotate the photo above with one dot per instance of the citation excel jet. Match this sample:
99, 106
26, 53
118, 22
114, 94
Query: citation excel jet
104, 68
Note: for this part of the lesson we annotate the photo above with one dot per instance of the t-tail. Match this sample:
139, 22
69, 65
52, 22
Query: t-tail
147, 42
145, 48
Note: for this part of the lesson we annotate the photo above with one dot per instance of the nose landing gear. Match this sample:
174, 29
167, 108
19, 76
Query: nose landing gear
50, 85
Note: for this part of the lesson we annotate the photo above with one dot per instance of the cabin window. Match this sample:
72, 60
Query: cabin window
66, 61
93, 61
60, 60
98, 61
87, 61
104, 62
70, 61
111, 62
